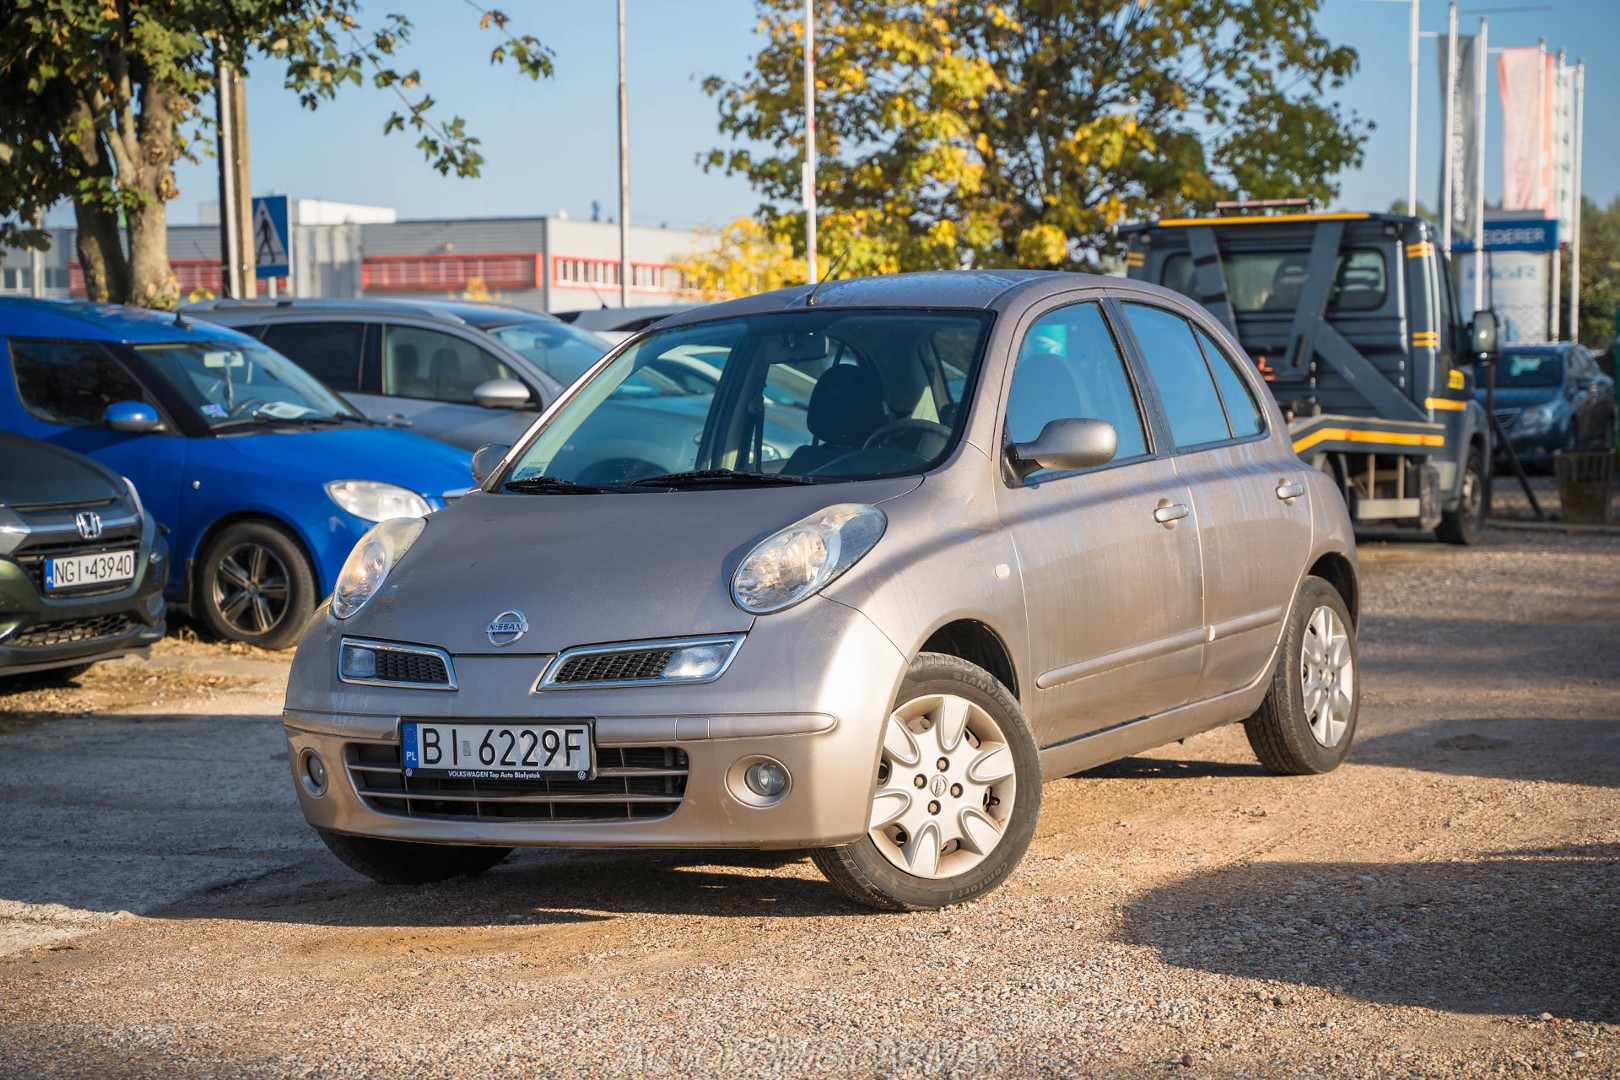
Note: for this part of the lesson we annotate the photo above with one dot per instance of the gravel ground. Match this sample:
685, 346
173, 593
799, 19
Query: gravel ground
1446, 904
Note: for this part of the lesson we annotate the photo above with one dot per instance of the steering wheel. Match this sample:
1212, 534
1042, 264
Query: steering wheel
924, 438
247, 406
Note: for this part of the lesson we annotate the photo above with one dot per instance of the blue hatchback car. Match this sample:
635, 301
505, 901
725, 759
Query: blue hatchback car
262, 477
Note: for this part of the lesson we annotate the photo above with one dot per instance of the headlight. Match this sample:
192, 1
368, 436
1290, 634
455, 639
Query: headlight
1536, 418
806, 557
371, 560
376, 501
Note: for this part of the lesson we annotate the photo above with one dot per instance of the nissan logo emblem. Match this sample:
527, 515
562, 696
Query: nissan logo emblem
89, 524
507, 627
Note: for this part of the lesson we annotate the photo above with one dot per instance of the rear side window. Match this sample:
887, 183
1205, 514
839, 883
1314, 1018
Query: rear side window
1191, 402
1241, 411
70, 382
330, 351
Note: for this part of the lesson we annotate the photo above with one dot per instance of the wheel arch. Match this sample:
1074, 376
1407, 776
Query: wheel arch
237, 517
1339, 572
977, 643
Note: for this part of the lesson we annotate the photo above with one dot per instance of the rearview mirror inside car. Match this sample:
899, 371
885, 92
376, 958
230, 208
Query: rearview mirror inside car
1064, 445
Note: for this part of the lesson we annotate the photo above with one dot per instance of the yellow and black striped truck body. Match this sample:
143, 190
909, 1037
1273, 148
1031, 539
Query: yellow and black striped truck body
1353, 322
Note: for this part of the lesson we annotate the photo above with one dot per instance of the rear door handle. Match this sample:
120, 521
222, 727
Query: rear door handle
1288, 492
1169, 512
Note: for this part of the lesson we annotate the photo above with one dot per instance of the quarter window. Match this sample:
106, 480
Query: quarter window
1191, 402
1070, 368
1241, 411
330, 351
70, 382
439, 367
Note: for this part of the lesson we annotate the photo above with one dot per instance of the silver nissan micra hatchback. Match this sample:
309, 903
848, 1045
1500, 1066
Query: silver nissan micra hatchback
937, 537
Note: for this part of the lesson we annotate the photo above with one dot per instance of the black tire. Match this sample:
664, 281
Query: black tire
1290, 734
872, 876
255, 584
1466, 524
399, 862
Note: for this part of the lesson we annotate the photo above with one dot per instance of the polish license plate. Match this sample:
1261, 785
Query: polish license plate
81, 571
511, 751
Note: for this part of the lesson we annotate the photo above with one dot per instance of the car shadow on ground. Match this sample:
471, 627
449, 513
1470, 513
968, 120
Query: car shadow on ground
537, 888
1536, 928
1585, 751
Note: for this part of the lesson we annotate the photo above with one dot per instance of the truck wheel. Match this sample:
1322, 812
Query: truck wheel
400, 862
1466, 524
955, 798
1308, 719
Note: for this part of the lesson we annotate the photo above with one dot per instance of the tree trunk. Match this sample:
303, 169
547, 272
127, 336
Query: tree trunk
101, 254
152, 280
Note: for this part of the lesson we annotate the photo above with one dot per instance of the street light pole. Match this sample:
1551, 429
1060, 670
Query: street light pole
1478, 257
1412, 117
1575, 216
624, 173
809, 179
1449, 159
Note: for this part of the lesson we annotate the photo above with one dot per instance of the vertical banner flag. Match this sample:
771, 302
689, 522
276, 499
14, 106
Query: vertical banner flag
1562, 96
1465, 133
1520, 80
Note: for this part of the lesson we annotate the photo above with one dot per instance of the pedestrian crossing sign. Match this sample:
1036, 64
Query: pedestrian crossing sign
270, 236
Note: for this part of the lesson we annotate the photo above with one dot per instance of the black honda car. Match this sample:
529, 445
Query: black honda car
81, 562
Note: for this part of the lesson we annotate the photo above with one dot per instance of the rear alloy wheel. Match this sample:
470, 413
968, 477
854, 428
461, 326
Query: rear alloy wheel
955, 797
1308, 718
400, 862
255, 585
1466, 524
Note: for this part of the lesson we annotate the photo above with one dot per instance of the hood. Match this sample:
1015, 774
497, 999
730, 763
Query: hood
35, 473
1522, 397
588, 569
387, 454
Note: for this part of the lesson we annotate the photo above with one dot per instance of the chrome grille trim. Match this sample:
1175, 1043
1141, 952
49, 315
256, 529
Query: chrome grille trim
425, 658
628, 663
632, 783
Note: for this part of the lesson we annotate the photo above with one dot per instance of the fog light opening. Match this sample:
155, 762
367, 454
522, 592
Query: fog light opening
355, 662
759, 781
314, 770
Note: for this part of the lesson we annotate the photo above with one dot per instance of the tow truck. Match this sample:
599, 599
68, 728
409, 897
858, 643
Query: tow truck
1353, 322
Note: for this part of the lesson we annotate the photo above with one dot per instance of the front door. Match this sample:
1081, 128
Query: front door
1108, 556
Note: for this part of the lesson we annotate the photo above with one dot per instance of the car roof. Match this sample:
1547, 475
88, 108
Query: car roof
84, 321
982, 290
471, 312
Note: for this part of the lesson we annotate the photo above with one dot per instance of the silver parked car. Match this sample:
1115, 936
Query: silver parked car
1039, 522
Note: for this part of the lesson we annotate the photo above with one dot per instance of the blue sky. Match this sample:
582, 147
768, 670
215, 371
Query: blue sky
552, 145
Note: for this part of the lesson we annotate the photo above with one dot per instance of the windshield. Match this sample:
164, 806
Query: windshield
564, 352
231, 383
798, 397
1533, 370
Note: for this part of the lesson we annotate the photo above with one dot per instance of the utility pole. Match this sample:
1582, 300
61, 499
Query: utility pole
1450, 130
36, 263
809, 180
1575, 220
235, 208
1412, 118
624, 173
1481, 52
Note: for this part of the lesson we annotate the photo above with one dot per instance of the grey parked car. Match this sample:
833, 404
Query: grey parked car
461, 372
1045, 521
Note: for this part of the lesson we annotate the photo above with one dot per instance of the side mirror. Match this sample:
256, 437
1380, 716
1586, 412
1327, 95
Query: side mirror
501, 394
135, 417
1482, 336
486, 459
1064, 445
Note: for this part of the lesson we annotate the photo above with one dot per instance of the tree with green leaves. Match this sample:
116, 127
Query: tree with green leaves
1600, 273
968, 132
100, 98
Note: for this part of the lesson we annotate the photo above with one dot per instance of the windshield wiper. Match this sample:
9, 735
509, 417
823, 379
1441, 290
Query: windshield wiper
721, 477
317, 419
547, 485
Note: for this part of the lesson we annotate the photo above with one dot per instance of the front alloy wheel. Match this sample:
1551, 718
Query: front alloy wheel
955, 796
255, 585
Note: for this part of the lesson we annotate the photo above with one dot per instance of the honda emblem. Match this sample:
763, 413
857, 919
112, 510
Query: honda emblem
89, 524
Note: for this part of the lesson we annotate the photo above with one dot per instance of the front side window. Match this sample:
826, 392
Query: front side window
1069, 367
427, 364
1185, 384
793, 397
70, 382
564, 352
235, 383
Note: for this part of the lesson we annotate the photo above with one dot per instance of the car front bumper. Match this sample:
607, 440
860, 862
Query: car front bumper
39, 632
809, 689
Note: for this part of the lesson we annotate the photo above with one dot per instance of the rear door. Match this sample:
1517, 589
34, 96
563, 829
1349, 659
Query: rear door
1247, 491
1108, 556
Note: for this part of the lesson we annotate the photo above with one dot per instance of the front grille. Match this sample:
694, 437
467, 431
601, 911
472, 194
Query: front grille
410, 667
1508, 416
33, 560
631, 783
625, 666
69, 631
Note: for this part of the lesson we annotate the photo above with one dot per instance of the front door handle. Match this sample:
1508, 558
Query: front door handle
1169, 512
1288, 492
